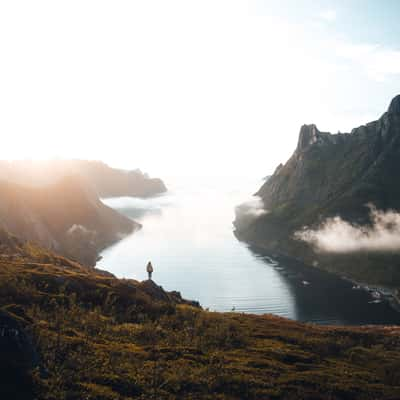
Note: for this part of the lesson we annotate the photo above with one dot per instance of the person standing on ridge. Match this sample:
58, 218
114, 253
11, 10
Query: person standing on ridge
149, 269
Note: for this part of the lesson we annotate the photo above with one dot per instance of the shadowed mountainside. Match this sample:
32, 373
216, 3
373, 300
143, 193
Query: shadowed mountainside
70, 332
67, 217
334, 175
104, 180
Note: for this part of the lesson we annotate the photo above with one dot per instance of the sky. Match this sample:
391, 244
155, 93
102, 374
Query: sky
190, 87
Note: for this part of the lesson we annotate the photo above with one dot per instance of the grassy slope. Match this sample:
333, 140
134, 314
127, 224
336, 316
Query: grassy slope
97, 337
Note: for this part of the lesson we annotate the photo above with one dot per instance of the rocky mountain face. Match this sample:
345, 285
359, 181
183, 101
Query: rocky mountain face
104, 180
67, 217
333, 175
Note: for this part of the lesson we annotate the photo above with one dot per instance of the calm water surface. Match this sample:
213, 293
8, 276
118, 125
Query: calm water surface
188, 235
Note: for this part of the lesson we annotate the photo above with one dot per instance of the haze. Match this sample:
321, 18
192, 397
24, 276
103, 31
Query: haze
189, 87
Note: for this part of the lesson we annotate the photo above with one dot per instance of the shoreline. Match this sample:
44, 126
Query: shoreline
378, 292
121, 236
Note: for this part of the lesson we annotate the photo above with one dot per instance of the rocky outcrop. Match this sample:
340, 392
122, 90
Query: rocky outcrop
156, 292
332, 175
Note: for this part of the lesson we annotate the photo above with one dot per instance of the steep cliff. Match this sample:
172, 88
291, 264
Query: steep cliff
335, 175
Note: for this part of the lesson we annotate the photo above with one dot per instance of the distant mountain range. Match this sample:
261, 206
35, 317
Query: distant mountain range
57, 204
335, 203
105, 181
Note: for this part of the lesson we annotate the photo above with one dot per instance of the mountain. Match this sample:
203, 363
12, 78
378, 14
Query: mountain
105, 181
335, 203
67, 217
72, 332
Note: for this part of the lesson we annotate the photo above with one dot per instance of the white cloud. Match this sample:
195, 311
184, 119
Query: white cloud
248, 211
79, 229
338, 236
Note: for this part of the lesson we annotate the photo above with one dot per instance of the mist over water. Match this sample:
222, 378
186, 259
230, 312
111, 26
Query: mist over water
188, 236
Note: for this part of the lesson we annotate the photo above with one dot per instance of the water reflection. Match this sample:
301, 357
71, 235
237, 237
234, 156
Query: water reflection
188, 236
325, 298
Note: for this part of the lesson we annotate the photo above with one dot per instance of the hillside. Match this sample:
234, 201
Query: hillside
66, 216
104, 180
316, 205
70, 332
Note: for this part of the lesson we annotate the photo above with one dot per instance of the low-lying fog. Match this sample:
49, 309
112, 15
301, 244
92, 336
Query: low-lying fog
188, 235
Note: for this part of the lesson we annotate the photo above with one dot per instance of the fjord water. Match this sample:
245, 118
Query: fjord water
188, 235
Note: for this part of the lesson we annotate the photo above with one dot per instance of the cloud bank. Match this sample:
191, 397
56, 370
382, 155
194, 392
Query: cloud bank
248, 211
338, 236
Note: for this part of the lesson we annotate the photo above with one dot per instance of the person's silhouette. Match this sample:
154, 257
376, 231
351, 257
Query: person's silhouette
149, 269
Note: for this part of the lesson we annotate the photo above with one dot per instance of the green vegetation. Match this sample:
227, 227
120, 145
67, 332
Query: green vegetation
84, 334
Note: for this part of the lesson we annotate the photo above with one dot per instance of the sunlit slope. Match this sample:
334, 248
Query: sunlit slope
67, 217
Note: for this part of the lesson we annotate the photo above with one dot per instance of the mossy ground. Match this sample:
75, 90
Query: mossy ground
101, 338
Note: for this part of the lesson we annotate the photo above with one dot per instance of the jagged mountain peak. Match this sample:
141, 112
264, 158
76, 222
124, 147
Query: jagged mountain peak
308, 135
